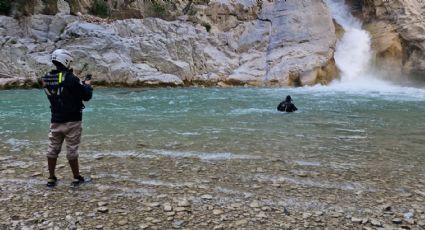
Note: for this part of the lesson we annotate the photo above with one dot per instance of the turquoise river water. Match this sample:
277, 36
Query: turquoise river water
334, 126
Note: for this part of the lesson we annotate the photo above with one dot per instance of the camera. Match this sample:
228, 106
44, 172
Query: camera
88, 77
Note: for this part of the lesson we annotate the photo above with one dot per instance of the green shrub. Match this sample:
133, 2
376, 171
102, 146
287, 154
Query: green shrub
5, 7
100, 8
158, 9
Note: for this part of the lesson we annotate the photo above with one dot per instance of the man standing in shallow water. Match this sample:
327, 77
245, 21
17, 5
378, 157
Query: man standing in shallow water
66, 94
287, 105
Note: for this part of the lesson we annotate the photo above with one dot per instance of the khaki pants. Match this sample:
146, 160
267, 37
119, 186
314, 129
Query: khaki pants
71, 133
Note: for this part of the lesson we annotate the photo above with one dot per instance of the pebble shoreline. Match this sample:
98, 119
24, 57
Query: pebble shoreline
189, 193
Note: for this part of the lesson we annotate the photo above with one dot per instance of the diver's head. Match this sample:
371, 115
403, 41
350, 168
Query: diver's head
288, 98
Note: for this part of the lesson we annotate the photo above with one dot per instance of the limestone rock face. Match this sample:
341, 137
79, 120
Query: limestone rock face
249, 42
398, 28
302, 40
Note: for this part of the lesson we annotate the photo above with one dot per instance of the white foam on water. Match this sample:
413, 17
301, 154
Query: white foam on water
187, 133
204, 155
153, 153
18, 144
351, 130
99, 154
356, 137
385, 91
233, 192
250, 111
307, 163
346, 185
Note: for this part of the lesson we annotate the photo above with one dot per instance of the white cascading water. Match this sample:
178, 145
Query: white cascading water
353, 56
353, 52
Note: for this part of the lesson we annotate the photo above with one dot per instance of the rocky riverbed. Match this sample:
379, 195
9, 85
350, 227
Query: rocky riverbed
141, 190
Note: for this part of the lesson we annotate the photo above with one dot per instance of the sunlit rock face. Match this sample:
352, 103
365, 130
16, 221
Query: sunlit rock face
397, 28
215, 42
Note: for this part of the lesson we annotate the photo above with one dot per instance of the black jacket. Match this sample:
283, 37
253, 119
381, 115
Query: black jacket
66, 94
286, 106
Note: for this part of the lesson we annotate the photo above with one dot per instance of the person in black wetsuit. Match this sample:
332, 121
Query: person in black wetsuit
287, 105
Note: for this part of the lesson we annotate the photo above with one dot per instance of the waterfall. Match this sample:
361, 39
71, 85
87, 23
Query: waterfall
353, 51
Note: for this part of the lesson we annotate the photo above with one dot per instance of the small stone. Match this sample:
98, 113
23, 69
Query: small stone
386, 208
301, 173
376, 223
154, 204
156, 221
254, 204
405, 195
170, 213
217, 211
256, 186
95, 176
410, 221
143, 226
36, 174
261, 215
167, 207
99, 157
9, 171
122, 222
241, 222
356, 220
99, 226
206, 197
59, 166
397, 221
219, 227
419, 192
162, 196
79, 213
178, 223
306, 215
183, 203
335, 214
101, 204
102, 209
180, 209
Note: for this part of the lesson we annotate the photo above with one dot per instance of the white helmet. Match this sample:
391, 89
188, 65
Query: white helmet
62, 56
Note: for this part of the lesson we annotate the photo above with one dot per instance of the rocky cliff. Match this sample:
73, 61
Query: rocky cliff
398, 35
201, 42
